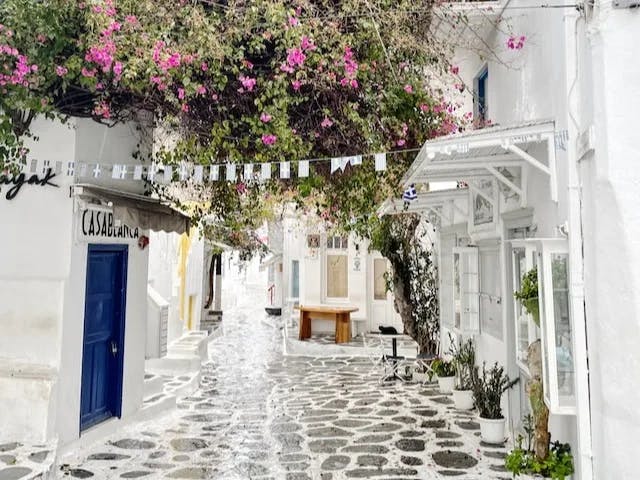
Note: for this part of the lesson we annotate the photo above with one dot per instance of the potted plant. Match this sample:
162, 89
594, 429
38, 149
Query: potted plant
558, 465
487, 396
528, 294
464, 359
446, 374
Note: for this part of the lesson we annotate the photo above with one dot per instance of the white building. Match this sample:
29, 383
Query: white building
321, 268
73, 287
553, 184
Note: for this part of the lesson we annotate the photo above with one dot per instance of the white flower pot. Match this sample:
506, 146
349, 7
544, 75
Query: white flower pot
492, 431
420, 377
445, 384
463, 399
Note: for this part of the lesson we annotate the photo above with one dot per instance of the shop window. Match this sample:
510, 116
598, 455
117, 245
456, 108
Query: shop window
466, 294
552, 266
337, 243
295, 279
526, 330
379, 280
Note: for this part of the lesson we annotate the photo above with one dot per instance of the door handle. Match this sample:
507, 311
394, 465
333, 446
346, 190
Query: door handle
114, 348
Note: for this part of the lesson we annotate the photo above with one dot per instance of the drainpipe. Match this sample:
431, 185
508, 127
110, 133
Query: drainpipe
584, 458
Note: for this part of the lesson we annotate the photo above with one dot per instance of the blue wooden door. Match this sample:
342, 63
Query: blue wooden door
104, 313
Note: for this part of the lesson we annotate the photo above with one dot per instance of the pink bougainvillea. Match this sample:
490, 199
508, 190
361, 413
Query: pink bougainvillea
326, 123
248, 83
265, 117
515, 42
269, 139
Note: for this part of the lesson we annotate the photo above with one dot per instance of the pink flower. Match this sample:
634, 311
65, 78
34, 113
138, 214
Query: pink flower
296, 84
286, 68
424, 107
61, 71
97, 9
41, 38
204, 67
516, 43
131, 19
247, 82
295, 57
401, 142
306, 43
201, 90
265, 117
293, 21
117, 68
408, 88
184, 107
247, 64
181, 93
269, 139
354, 83
326, 123
454, 69
88, 73
102, 110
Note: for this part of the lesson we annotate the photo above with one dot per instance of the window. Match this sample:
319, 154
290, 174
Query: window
526, 331
466, 293
295, 278
379, 280
480, 96
337, 267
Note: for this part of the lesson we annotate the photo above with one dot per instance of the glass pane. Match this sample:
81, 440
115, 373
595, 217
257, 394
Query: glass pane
563, 341
456, 290
345, 242
379, 282
337, 276
295, 278
522, 321
271, 273
329, 242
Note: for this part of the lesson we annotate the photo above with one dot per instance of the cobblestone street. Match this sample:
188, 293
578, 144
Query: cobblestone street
260, 414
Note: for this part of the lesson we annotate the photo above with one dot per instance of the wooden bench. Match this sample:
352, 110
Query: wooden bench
341, 315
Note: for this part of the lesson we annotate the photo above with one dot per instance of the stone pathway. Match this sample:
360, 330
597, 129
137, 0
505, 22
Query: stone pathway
262, 415
25, 461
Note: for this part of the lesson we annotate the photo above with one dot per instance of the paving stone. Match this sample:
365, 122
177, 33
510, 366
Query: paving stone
298, 476
442, 400
369, 473
412, 461
450, 444
383, 427
132, 444
189, 473
371, 461
108, 456
181, 458
326, 446
374, 438
39, 457
335, 462
468, 425
14, 473
366, 449
8, 459
188, 444
349, 423
451, 473
454, 459
498, 455
410, 445
135, 474
286, 427
433, 424
447, 434
76, 473
426, 413
157, 454
330, 432
7, 447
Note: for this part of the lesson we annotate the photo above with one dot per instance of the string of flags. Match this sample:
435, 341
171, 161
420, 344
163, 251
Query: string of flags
214, 172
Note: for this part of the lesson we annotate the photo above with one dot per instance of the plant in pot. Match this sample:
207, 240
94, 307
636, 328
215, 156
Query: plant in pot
446, 372
487, 396
464, 359
558, 464
528, 294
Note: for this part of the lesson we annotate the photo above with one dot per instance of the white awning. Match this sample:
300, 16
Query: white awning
270, 260
490, 152
135, 210
434, 201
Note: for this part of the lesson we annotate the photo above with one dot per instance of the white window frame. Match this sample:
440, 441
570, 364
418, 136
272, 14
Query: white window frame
469, 281
519, 312
337, 251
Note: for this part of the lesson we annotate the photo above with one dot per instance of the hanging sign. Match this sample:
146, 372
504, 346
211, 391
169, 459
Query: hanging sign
16, 182
98, 223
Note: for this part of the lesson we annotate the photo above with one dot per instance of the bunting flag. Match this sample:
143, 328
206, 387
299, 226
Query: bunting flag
168, 174
214, 173
231, 172
198, 173
248, 171
157, 172
285, 170
303, 168
381, 162
184, 172
265, 173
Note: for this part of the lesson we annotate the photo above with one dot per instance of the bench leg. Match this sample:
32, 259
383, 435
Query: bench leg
343, 328
305, 326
